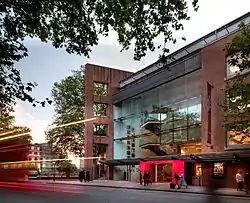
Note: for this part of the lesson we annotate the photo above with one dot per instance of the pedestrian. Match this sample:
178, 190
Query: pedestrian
239, 181
80, 176
145, 178
149, 178
247, 182
87, 176
177, 180
84, 175
182, 181
140, 178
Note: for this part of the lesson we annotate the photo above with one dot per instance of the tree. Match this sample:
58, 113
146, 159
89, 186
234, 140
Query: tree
237, 107
5, 121
76, 26
68, 99
14, 140
8, 132
66, 167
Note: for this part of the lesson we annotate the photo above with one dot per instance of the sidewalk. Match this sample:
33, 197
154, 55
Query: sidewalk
163, 187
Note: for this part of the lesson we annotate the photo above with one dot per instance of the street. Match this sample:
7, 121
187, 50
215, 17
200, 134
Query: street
40, 193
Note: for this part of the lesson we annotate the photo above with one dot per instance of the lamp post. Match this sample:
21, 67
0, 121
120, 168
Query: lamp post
54, 171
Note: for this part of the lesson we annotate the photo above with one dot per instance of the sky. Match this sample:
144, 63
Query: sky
47, 65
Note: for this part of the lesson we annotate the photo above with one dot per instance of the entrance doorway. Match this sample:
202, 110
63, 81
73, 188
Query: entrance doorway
189, 172
162, 171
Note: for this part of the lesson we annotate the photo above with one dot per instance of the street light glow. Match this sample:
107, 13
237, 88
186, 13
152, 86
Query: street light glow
9, 132
46, 160
14, 136
74, 123
59, 126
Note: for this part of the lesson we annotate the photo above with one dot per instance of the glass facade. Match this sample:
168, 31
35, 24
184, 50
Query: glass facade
180, 123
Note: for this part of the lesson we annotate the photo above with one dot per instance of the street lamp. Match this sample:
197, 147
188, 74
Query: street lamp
54, 171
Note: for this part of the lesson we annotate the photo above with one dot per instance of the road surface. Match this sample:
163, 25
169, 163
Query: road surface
43, 193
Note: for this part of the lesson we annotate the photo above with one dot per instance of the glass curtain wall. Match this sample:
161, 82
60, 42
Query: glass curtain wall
183, 120
181, 123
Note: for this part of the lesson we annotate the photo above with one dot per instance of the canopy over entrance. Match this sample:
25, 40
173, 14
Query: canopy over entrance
203, 158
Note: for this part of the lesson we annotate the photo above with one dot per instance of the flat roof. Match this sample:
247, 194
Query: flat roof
204, 41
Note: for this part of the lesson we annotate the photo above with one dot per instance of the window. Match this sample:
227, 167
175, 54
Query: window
209, 112
100, 109
100, 129
232, 71
239, 137
218, 170
128, 129
100, 89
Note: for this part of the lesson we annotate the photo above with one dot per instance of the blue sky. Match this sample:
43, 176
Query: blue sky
46, 65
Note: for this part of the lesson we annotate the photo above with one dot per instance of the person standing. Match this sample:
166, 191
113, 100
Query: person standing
177, 180
145, 178
80, 176
84, 175
87, 176
149, 178
140, 178
239, 181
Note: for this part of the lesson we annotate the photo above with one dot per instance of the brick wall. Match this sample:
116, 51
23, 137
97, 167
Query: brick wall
94, 73
214, 73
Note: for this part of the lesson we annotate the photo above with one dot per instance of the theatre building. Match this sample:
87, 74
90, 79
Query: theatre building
167, 117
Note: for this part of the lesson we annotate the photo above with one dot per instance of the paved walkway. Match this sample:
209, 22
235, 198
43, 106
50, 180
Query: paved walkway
153, 187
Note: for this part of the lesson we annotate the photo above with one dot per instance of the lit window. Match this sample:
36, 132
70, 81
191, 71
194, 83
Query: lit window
100, 89
239, 137
100, 109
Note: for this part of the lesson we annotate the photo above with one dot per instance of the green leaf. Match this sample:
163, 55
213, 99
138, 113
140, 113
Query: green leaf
77, 26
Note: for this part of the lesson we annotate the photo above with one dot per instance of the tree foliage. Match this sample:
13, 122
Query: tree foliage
76, 26
68, 100
237, 111
6, 121
8, 137
66, 167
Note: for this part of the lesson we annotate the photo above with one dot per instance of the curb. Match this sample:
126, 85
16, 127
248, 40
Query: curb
154, 190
